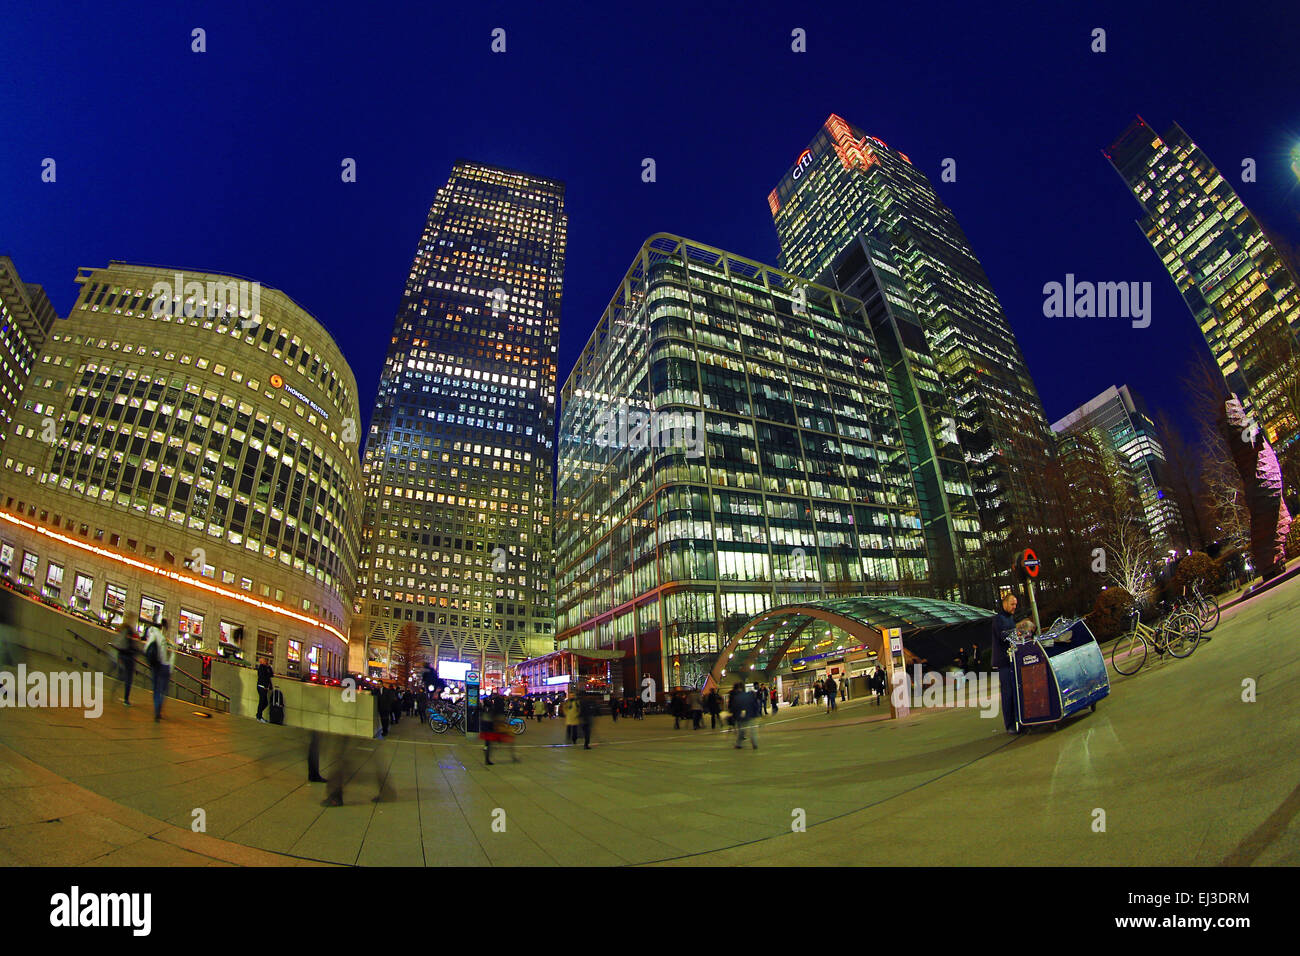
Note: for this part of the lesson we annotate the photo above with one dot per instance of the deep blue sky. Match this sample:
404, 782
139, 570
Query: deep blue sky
229, 160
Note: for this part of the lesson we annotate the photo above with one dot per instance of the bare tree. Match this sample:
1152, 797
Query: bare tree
407, 655
1130, 555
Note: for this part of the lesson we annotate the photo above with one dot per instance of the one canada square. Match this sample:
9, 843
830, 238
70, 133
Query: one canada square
457, 535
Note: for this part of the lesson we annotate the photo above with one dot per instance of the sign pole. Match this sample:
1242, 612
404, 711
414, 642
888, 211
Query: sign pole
1033, 607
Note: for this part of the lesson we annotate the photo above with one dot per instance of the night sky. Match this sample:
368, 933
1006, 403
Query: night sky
229, 160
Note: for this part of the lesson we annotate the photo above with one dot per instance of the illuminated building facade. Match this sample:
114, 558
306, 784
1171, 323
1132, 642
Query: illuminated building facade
728, 443
1239, 289
181, 452
1118, 419
25, 319
855, 214
458, 462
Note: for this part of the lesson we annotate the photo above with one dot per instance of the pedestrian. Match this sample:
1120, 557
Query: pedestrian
161, 657
677, 706
264, 678
572, 719
638, 707
385, 703
695, 703
828, 688
313, 758
1004, 624
586, 714
344, 766
613, 707
775, 701
817, 692
539, 708
714, 702
745, 707
126, 647
496, 729
844, 688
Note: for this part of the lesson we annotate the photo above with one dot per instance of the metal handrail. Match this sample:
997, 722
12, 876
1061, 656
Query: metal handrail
141, 659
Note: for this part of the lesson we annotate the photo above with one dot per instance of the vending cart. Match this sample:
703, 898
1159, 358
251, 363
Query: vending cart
1057, 674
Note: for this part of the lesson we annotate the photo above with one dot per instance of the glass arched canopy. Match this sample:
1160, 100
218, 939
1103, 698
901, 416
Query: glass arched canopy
836, 624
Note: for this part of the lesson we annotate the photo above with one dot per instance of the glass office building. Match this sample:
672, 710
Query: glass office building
854, 213
1118, 419
1239, 289
728, 443
457, 538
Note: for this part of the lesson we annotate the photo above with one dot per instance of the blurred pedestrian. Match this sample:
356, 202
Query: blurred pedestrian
586, 715
384, 701
127, 647
161, 657
572, 718
715, 708
695, 704
496, 729
745, 708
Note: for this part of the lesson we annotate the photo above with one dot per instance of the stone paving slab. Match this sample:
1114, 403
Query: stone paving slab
1186, 772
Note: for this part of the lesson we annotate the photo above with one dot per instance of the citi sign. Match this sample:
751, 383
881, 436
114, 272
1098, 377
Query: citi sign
803, 162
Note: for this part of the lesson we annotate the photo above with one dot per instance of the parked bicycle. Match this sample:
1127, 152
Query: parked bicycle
443, 717
1205, 608
1178, 633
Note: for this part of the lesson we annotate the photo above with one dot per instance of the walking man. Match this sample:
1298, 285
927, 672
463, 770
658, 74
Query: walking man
828, 689
745, 707
162, 657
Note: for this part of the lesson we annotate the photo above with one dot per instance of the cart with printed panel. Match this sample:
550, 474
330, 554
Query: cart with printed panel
1057, 674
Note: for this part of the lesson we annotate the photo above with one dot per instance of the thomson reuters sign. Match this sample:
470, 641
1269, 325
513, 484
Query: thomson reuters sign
277, 381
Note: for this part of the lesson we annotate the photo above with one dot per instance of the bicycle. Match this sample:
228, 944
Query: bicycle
1179, 633
1207, 609
443, 719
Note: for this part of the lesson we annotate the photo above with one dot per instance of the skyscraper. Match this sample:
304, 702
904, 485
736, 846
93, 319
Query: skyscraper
1239, 289
728, 444
855, 214
1119, 420
26, 316
180, 452
457, 537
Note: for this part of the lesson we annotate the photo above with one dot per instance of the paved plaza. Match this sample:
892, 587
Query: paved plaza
1183, 770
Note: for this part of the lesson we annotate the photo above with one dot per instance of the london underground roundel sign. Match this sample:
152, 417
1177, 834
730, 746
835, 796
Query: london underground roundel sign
1029, 561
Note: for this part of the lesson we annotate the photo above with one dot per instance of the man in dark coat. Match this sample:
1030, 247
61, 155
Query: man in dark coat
1004, 623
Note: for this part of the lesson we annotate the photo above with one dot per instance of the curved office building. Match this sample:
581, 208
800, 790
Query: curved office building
186, 449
